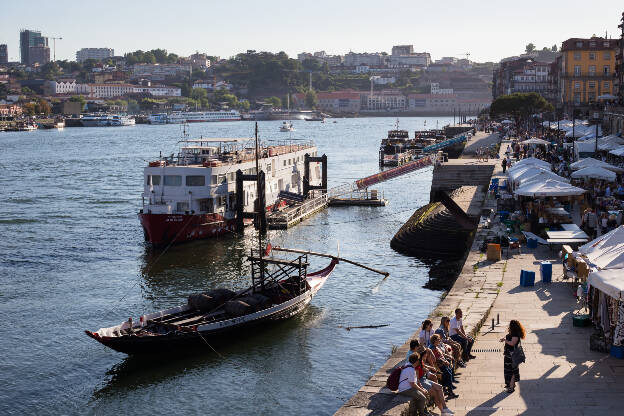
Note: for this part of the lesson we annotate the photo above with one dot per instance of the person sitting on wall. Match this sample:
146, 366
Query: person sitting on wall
458, 334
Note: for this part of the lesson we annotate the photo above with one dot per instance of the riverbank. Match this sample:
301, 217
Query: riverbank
474, 291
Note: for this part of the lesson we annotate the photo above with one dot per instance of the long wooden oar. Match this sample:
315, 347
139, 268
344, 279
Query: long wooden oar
312, 253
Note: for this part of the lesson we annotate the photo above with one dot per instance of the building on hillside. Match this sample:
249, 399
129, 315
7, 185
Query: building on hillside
4, 54
386, 100
60, 86
160, 72
38, 55
449, 60
524, 75
619, 65
370, 59
30, 39
98, 54
402, 50
159, 90
344, 101
339, 101
104, 90
209, 86
321, 57
422, 59
587, 70
435, 89
199, 60
10, 110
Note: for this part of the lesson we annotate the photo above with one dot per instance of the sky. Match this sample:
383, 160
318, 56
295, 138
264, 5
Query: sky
488, 30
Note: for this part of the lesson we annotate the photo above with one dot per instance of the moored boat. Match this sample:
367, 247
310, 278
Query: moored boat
280, 289
192, 195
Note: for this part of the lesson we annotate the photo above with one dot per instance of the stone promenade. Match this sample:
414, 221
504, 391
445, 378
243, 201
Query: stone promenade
561, 375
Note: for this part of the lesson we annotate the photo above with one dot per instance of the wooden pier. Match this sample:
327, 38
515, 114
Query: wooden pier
364, 198
294, 214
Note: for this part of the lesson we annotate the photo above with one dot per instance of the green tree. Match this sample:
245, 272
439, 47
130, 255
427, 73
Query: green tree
43, 107
311, 99
519, 106
199, 93
27, 91
79, 99
29, 108
243, 105
133, 106
553, 48
274, 101
529, 48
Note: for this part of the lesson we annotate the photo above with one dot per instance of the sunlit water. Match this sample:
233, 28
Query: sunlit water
72, 257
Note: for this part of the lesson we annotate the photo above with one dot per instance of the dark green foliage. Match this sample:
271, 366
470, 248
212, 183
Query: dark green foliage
519, 105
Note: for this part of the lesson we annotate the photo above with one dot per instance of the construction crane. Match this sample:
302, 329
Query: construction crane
54, 46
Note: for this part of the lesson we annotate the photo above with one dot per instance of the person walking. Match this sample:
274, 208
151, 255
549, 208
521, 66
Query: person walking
504, 163
515, 332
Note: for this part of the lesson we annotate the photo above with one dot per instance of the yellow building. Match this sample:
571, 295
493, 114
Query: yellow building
587, 70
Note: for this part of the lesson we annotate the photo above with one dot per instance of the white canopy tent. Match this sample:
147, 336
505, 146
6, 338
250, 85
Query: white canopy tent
530, 161
610, 142
549, 187
506, 122
535, 141
594, 172
541, 175
591, 162
612, 238
522, 171
579, 131
610, 282
618, 151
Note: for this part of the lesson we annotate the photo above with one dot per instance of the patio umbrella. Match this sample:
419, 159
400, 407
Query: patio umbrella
594, 172
538, 175
535, 141
591, 162
549, 187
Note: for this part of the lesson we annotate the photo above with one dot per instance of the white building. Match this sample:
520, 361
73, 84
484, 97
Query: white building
104, 90
358, 59
386, 100
415, 59
159, 90
209, 86
381, 80
60, 86
435, 89
94, 53
159, 71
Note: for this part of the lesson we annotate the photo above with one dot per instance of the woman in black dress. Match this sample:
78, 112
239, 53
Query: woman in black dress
515, 333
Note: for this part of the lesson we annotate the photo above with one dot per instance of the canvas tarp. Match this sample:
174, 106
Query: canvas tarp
549, 187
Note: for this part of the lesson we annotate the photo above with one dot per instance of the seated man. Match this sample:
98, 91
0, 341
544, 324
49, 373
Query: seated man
410, 386
458, 334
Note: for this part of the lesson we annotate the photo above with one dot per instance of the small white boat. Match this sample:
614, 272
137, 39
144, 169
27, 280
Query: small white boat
287, 126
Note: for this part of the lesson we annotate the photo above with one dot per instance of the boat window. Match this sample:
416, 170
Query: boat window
214, 179
206, 205
195, 180
153, 179
182, 206
173, 180
284, 162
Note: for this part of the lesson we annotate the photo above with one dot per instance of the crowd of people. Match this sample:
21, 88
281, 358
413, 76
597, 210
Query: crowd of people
432, 362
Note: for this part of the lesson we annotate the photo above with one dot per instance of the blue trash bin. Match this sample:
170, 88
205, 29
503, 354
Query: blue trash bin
527, 278
546, 271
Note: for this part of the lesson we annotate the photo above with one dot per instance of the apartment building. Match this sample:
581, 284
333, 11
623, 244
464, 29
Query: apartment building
94, 53
587, 70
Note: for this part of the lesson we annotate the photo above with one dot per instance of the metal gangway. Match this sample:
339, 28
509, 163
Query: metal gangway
320, 200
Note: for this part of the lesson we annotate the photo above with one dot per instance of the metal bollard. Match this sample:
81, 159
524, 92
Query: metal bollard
492, 323
498, 319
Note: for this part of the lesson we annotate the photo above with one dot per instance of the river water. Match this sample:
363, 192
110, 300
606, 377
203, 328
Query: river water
72, 257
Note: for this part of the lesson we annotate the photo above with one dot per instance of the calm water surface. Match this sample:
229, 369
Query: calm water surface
72, 258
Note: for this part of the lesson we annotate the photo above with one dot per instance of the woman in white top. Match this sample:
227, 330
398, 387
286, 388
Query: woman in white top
425, 334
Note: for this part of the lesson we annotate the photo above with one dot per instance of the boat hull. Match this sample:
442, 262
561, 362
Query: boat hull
204, 339
162, 229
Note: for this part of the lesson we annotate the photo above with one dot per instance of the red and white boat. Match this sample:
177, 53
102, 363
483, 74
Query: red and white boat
192, 195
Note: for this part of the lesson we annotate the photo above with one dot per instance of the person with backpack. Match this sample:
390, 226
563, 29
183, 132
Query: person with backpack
513, 355
408, 384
